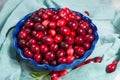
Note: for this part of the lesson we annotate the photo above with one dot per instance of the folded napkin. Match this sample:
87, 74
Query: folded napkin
103, 16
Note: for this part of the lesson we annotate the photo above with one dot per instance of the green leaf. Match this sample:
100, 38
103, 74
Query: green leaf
37, 74
47, 77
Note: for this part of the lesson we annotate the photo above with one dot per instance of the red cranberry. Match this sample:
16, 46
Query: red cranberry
70, 59
56, 78
64, 30
28, 54
33, 33
58, 38
32, 41
78, 17
29, 24
86, 12
64, 45
53, 47
89, 38
45, 23
44, 61
45, 16
60, 53
43, 48
52, 32
62, 60
55, 17
48, 40
35, 48
69, 39
81, 31
89, 61
63, 13
37, 19
98, 59
50, 56
53, 63
39, 27
26, 29
115, 61
38, 57
61, 22
72, 33
70, 51
39, 35
89, 30
22, 43
84, 24
54, 74
23, 34
80, 65
110, 68
79, 50
52, 24
87, 45
73, 24
79, 40
63, 72
67, 10
49, 12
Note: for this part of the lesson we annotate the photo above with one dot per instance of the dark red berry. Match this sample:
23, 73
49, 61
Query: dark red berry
50, 56
70, 51
38, 57
53, 47
73, 24
43, 48
69, 40
62, 60
39, 27
60, 53
87, 45
110, 68
48, 40
63, 72
79, 50
79, 40
70, 59
58, 38
64, 31
52, 32
98, 59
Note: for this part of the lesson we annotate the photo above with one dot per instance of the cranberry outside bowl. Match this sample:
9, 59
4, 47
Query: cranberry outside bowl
60, 66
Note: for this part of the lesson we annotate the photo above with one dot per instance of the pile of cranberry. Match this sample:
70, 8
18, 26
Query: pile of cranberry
55, 36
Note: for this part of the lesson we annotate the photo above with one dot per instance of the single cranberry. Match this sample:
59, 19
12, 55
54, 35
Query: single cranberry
26, 29
98, 59
33, 33
37, 19
81, 31
53, 47
28, 54
62, 60
50, 56
46, 23
67, 10
32, 41
45, 16
41, 11
115, 61
79, 40
72, 33
39, 43
64, 31
87, 45
63, 73
29, 24
78, 17
60, 53
39, 35
56, 78
89, 38
84, 25
89, 30
80, 65
49, 12
54, 74
91, 60
70, 59
86, 12
35, 48
69, 39
110, 68
73, 24
53, 63
61, 22
63, 13
38, 57
58, 38
44, 61
22, 43
52, 24
39, 27
48, 40
55, 17
70, 51
79, 50
23, 34
64, 45
43, 48
52, 32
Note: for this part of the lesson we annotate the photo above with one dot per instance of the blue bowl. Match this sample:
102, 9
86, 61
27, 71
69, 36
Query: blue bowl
60, 66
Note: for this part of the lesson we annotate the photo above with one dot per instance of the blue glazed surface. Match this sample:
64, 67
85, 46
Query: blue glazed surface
60, 66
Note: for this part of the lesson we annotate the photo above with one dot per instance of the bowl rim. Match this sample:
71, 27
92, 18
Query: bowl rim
59, 67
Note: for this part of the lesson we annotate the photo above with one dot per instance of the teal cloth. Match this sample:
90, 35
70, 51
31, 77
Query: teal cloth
101, 12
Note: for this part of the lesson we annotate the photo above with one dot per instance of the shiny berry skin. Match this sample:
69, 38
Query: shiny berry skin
89, 30
64, 45
54, 74
49, 12
63, 13
79, 40
22, 43
29, 24
87, 45
36, 19
33, 33
115, 61
53, 63
48, 40
53, 47
32, 41
55, 17
58, 38
70, 51
45, 16
52, 24
28, 54
62, 60
81, 31
60, 53
43, 48
64, 31
70, 59
80, 65
23, 34
91, 60
78, 17
69, 40
73, 24
39, 35
72, 33
63, 73
38, 57
56, 78
35, 48
97, 59
89, 38
44, 61
79, 50
46, 23
86, 12
50, 56
111, 68
39, 27
52, 32
61, 22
